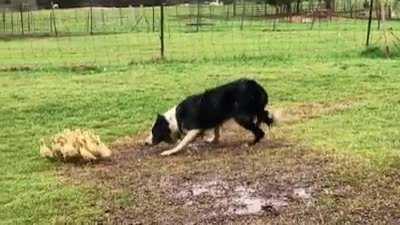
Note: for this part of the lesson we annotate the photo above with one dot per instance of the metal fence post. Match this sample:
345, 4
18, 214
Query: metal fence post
4, 21
91, 18
22, 18
198, 16
234, 8
243, 12
369, 21
12, 21
53, 21
162, 29
153, 19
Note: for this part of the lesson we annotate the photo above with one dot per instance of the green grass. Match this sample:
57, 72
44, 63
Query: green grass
114, 85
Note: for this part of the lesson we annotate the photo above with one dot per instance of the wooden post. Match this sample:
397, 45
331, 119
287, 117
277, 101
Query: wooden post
21, 12
369, 21
162, 29
153, 19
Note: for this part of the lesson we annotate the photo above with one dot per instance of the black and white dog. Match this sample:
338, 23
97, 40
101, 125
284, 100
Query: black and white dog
243, 100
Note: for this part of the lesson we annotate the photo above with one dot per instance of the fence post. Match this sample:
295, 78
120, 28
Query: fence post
162, 29
22, 18
91, 19
103, 20
198, 16
243, 12
12, 21
120, 16
153, 19
76, 15
33, 21
29, 21
265, 8
234, 8
88, 21
4, 21
53, 21
312, 20
369, 21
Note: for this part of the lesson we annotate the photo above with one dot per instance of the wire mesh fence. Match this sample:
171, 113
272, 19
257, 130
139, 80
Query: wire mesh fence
192, 31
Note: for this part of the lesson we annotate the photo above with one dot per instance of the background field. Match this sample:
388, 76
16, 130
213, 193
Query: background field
115, 84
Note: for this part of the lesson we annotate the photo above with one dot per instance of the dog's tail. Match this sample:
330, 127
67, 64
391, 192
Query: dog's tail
271, 119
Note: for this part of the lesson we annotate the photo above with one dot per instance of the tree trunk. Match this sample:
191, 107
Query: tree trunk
383, 13
330, 5
298, 6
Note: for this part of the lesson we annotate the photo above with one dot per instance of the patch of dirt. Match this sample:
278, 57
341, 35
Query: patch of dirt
305, 111
274, 182
207, 183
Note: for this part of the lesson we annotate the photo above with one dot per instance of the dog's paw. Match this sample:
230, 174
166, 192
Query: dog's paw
250, 144
167, 153
212, 140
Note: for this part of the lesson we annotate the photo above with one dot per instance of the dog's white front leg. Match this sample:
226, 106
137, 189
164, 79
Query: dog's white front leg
215, 138
190, 136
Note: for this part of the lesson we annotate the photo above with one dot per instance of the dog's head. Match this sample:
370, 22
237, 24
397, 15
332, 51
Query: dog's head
160, 132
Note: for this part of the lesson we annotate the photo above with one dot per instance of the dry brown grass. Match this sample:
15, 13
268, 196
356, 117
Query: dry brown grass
304, 111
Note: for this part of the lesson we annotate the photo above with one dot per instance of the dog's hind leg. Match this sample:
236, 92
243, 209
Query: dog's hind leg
266, 117
247, 122
190, 136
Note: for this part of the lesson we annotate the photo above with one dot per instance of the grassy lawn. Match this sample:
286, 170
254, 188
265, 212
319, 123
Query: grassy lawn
113, 85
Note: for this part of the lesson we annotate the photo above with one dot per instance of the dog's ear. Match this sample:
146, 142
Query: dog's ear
159, 116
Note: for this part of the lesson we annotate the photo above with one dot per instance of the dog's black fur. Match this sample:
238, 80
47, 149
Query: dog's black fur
243, 100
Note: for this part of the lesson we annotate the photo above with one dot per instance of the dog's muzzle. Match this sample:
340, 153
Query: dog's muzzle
149, 140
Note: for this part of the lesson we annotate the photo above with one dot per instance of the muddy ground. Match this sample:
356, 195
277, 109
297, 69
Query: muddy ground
277, 181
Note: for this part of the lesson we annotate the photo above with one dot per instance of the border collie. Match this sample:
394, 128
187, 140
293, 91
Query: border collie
243, 100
